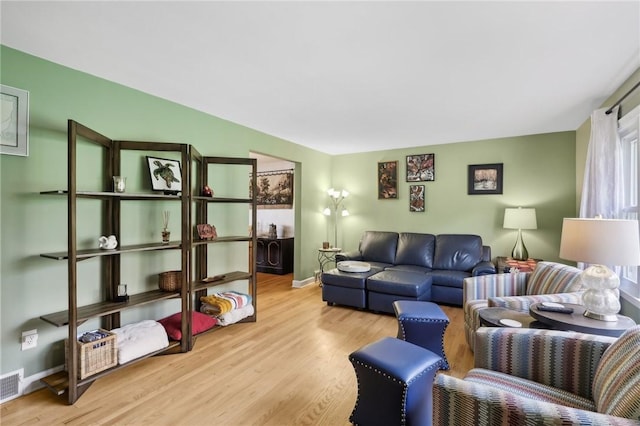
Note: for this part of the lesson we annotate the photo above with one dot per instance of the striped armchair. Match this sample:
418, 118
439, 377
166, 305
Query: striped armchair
544, 377
549, 282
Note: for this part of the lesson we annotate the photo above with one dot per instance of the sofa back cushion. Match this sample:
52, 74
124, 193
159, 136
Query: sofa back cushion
616, 383
457, 252
551, 278
379, 246
415, 249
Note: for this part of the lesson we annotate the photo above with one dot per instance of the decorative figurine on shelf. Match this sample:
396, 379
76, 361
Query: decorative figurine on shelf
108, 243
273, 233
207, 232
166, 234
122, 293
207, 191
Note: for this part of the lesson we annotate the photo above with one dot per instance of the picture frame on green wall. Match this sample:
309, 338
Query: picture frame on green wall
421, 168
15, 121
387, 180
485, 179
416, 198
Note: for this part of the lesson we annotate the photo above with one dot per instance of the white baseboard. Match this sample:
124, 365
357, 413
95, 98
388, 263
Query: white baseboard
303, 283
33, 383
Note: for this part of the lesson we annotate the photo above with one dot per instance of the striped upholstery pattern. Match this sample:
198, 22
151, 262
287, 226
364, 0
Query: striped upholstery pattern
616, 385
544, 377
550, 277
549, 282
561, 359
459, 402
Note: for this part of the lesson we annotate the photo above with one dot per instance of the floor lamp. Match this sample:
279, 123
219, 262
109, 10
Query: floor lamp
336, 197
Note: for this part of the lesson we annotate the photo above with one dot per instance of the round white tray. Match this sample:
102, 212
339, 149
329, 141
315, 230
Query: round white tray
353, 266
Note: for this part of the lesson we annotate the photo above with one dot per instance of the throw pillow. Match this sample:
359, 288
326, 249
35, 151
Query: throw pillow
199, 323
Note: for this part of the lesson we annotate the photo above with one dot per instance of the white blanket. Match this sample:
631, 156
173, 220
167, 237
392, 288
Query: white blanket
138, 339
235, 315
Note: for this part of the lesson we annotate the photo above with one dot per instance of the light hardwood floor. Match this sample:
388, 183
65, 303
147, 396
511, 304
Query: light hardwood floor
290, 367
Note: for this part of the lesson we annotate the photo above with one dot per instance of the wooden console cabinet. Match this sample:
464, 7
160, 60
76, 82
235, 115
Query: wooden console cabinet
275, 256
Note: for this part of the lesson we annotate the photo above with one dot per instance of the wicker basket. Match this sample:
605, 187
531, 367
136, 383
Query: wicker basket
170, 280
96, 356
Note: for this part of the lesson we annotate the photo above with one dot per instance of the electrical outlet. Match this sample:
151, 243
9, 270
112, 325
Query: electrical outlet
29, 339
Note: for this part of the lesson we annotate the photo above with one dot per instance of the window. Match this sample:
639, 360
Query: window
629, 129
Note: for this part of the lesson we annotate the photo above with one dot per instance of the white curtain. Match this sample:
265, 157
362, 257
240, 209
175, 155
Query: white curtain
602, 189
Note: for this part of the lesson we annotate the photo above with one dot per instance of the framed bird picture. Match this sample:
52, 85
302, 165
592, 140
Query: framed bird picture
165, 174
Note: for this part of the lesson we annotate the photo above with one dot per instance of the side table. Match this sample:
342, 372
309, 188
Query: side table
504, 264
576, 321
326, 256
490, 317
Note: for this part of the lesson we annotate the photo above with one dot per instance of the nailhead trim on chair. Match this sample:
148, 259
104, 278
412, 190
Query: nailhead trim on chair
444, 362
405, 385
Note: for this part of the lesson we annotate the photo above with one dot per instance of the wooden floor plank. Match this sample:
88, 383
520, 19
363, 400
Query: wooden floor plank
291, 367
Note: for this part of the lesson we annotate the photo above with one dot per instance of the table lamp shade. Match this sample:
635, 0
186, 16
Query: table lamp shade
519, 218
601, 243
612, 242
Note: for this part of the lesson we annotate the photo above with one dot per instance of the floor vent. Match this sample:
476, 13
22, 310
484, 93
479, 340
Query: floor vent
11, 385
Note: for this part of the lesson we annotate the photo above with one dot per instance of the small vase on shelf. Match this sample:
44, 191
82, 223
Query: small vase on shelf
166, 234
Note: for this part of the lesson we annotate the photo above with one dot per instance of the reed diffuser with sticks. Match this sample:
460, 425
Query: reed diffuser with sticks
166, 234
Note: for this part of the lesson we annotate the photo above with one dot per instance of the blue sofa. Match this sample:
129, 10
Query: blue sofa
407, 266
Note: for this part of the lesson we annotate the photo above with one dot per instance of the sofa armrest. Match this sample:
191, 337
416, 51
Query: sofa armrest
483, 268
522, 303
485, 286
456, 401
348, 255
561, 359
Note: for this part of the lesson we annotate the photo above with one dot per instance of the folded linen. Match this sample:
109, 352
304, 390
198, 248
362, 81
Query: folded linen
235, 315
220, 303
138, 339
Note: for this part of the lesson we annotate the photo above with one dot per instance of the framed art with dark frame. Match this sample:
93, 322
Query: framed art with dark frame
388, 180
416, 198
485, 179
421, 167
15, 121
166, 175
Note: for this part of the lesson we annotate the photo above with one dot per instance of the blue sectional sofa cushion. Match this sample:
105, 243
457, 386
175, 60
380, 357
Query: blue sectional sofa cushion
415, 250
457, 252
379, 248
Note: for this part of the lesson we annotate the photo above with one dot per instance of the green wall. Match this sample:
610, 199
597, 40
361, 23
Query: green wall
538, 172
30, 223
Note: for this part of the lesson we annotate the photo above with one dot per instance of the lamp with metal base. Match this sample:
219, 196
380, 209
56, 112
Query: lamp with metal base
519, 218
601, 242
336, 198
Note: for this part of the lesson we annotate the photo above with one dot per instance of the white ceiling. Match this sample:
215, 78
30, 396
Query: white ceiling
344, 77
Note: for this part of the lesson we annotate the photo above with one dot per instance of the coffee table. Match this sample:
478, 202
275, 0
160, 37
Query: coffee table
576, 321
491, 317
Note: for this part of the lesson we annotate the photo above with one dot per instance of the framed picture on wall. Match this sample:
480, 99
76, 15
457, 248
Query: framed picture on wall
416, 198
15, 121
421, 168
166, 175
275, 189
388, 180
484, 179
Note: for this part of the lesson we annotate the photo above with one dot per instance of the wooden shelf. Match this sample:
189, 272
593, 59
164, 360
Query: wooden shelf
228, 277
222, 240
60, 319
121, 195
58, 382
87, 253
221, 199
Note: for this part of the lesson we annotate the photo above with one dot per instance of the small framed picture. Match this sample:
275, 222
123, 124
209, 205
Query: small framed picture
166, 175
416, 198
421, 168
15, 121
485, 179
387, 180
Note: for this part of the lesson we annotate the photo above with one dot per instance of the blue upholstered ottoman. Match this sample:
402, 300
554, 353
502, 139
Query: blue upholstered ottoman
395, 379
423, 324
386, 287
346, 288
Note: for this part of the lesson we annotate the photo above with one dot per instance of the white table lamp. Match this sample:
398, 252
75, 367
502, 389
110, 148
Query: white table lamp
519, 218
601, 242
